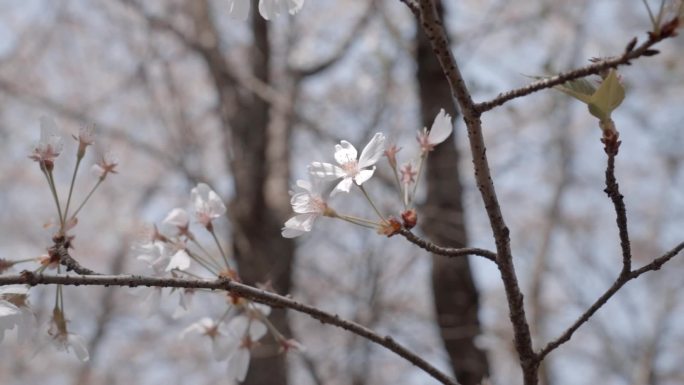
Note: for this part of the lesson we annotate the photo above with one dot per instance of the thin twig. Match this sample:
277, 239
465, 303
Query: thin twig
447, 251
622, 279
436, 34
630, 53
613, 192
245, 291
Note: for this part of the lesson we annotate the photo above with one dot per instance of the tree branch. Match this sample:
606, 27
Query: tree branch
249, 292
630, 53
447, 251
622, 279
436, 34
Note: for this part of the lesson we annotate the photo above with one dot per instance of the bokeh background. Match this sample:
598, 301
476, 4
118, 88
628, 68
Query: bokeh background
183, 93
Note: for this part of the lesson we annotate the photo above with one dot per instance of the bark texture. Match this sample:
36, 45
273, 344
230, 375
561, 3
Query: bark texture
456, 298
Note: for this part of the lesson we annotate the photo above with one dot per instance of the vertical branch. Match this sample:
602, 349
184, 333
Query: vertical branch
434, 30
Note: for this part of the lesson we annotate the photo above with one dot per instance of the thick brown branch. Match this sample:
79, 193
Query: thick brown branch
447, 251
436, 34
249, 292
656, 264
645, 49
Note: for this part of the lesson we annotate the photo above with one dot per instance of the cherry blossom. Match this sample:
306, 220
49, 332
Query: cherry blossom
86, 137
351, 169
246, 329
64, 340
106, 165
222, 341
208, 205
15, 311
50, 144
441, 129
309, 203
179, 218
268, 9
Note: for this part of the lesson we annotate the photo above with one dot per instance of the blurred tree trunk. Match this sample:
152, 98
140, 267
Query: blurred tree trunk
256, 152
455, 295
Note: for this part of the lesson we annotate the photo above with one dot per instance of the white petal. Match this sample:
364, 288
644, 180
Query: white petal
79, 345
257, 330
267, 9
291, 233
294, 6
48, 128
239, 9
216, 206
345, 152
224, 348
364, 175
177, 217
238, 326
441, 128
325, 171
261, 308
301, 222
13, 289
197, 327
180, 261
304, 184
373, 151
238, 364
344, 185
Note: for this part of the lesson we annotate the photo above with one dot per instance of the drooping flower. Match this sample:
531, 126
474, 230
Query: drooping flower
64, 340
309, 203
106, 165
221, 340
179, 218
208, 205
270, 9
246, 329
351, 169
441, 129
86, 137
15, 311
50, 144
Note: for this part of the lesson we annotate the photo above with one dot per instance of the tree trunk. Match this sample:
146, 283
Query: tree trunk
455, 295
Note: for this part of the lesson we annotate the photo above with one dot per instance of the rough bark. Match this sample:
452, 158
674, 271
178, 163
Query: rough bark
456, 298
263, 256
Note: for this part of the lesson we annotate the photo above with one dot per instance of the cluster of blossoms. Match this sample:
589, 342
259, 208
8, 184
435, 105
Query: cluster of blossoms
14, 303
268, 9
243, 323
311, 199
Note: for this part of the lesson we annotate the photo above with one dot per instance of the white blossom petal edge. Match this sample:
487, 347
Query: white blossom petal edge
441, 129
208, 205
351, 169
309, 203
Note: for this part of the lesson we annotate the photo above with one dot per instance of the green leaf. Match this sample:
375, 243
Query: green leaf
607, 97
580, 89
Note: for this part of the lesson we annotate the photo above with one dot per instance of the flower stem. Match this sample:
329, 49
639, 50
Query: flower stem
371, 203
53, 190
210, 258
99, 181
359, 222
201, 261
71, 187
218, 243
420, 172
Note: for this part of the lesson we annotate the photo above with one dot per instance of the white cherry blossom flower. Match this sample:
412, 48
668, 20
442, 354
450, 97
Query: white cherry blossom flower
221, 340
155, 255
177, 217
208, 205
64, 340
15, 311
441, 129
309, 203
270, 9
351, 169
246, 330
50, 144
86, 137
106, 165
